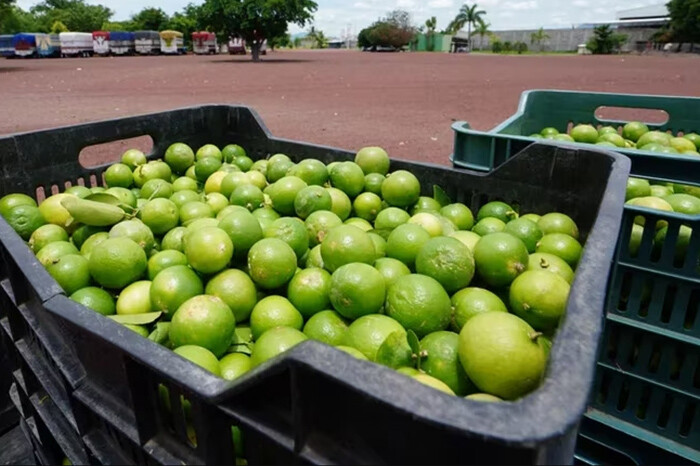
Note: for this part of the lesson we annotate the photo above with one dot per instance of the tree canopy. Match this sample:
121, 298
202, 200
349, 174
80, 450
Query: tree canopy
395, 30
256, 20
685, 20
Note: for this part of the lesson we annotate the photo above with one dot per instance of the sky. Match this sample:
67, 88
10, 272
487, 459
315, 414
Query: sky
335, 17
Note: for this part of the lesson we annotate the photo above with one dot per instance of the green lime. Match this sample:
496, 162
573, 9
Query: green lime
529, 232
265, 216
390, 218
309, 291
156, 188
184, 183
497, 209
442, 361
243, 162
213, 182
191, 211
54, 251
276, 170
292, 231
348, 177
373, 183
272, 263
243, 229
405, 242
391, 269
135, 230
352, 352
401, 189
208, 250
328, 327
206, 167
203, 321
432, 382
357, 289
469, 302
234, 365
80, 191
340, 203
379, 244
483, 397
174, 239
160, 215
373, 160
314, 258
209, 151
71, 271
52, 210
684, 203
489, 225
552, 263
164, 259
539, 298
425, 204
90, 243
181, 198
283, 193
319, 223
152, 170
116, 262
140, 329
468, 238
172, 287
419, 303
133, 157
135, 299
549, 131
395, 352
125, 196
229, 209
635, 243
653, 137
556, 222
612, 138
231, 151
584, 133
563, 246
216, 201
25, 220
274, 311
248, 196
660, 191
96, 299
275, 342
46, 234
312, 171
237, 290
448, 261
360, 223
200, 356
500, 354
367, 206
345, 244
13, 200
120, 175
179, 156
367, 333
312, 199
260, 166
460, 215
500, 257
231, 181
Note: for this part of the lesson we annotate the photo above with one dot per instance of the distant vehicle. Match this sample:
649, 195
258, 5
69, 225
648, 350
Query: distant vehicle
24, 45
204, 43
100, 42
236, 46
171, 43
147, 42
380, 48
6, 48
48, 45
122, 43
76, 44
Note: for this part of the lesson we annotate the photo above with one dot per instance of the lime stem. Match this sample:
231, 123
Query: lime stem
536, 335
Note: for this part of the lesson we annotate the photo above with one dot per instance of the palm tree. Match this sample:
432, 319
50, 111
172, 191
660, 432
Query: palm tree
539, 37
468, 15
481, 29
430, 26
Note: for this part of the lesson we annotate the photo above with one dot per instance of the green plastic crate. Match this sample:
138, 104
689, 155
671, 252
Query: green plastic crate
647, 384
538, 109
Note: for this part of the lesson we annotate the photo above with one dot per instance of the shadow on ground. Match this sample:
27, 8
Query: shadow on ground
262, 60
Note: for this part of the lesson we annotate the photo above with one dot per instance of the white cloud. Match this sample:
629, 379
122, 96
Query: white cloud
519, 6
441, 3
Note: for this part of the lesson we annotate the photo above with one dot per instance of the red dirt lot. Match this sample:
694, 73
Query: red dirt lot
404, 102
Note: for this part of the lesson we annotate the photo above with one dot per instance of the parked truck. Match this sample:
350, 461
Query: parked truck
122, 43
76, 44
147, 42
204, 43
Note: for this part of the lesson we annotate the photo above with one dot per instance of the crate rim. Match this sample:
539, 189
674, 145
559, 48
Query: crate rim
543, 422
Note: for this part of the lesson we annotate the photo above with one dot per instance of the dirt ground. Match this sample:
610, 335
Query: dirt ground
403, 102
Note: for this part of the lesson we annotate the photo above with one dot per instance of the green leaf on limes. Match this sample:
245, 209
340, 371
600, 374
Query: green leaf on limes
160, 333
395, 352
441, 196
413, 342
105, 198
136, 319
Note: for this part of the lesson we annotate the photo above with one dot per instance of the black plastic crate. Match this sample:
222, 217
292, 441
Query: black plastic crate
314, 404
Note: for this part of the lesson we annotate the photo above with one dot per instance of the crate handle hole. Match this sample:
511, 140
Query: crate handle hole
98, 155
617, 114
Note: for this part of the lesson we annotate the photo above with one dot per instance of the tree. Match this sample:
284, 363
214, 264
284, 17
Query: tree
430, 26
14, 20
468, 15
395, 30
605, 40
481, 29
538, 37
285, 40
685, 20
256, 20
58, 27
151, 19
319, 38
76, 15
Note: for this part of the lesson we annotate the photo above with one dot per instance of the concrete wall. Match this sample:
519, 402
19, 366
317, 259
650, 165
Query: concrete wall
562, 40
